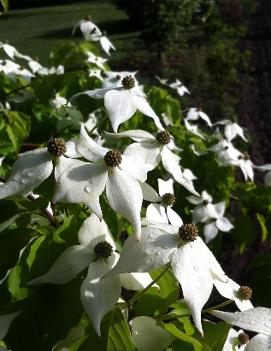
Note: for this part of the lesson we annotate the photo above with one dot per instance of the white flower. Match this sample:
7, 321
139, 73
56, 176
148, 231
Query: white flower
97, 60
113, 79
196, 113
227, 154
167, 120
256, 320
220, 222
106, 44
177, 85
232, 130
12, 70
58, 101
246, 166
33, 167
122, 102
161, 211
232, 341
37, 68
148, 336
204, 209
192, 262
150, 150
96, 250
84, 182
89, 30
95, 73
12, 52
193, 128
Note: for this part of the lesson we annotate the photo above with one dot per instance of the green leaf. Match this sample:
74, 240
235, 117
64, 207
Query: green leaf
244, 231
4, 4
262, 222
116, 333
215, 334
172, 329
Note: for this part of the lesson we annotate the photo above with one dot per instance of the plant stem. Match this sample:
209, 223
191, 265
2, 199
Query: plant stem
18, 89
137, 296
223, 304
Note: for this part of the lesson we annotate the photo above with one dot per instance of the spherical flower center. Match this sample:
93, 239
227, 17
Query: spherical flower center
163, 137
243, 338
113, 158
56, 146
188, 232
245, 293
128, 82
103, 249
168, 199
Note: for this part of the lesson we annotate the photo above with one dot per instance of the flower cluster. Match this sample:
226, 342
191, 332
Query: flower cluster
97, 170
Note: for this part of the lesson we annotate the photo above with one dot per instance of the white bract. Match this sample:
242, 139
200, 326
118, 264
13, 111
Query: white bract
89, 30
256, 320
96, 60
193, 128
210, 214
98, 296
30, 170
192, 262
232, 341
13, 53
231, 131
113, 79
196, 113
177, 85
150, 150
148, 336
161, 211
84, 182
122, 102
265, 168
106, 44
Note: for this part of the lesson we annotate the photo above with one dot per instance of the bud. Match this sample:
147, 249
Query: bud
188, 232
243, 338
168, 199
113, 158
56, 146
163, 137
245, 293
103, 249
128, 82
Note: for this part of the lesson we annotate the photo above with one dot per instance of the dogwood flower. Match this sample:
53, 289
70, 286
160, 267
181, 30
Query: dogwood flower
96, 60
232, 130
148, 336
113, 79
192, 262
89, 30
196, 113
97, 251
161, 211
227, 154
84, 182
122, 102
95, 73
106, 44
193, 128
220, 222
236, 340
257, 320
177, 85
33, 167
12, 53
204, 209
150, 150
246, 166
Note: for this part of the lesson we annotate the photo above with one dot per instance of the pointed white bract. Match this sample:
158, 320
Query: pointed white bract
196, 113
161, 211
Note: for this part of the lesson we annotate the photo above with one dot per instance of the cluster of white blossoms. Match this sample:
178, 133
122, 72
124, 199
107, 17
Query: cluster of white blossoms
85, 168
